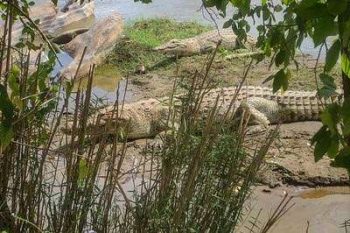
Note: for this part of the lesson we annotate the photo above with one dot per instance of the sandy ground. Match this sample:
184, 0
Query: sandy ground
291, 160
316, 214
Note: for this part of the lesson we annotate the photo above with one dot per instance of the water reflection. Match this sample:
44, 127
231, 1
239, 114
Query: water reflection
325, 191
105, 84
64, 60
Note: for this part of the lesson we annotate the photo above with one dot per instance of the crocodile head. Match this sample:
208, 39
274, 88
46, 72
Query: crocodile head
175, 47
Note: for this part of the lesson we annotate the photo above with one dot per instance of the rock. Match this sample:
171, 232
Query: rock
65, 8
140, 69
68, 36
78, 19
45, 12
274, 184
99, 40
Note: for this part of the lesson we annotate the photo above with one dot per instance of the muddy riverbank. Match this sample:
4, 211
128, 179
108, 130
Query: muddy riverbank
313, 214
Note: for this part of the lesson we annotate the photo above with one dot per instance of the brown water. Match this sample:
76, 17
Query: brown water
324, 191
105, 86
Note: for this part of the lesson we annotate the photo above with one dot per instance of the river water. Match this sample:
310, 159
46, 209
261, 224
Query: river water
179, 10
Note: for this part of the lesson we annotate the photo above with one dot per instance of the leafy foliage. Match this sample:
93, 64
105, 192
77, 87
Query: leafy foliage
27, 98
321, 20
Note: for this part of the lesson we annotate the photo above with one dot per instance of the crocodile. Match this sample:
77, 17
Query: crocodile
204, 43
146, 118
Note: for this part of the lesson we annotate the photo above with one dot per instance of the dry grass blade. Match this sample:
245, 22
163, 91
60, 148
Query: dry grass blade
346, 226
283, 207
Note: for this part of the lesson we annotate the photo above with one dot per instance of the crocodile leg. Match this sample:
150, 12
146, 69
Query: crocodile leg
256, 117
262, 111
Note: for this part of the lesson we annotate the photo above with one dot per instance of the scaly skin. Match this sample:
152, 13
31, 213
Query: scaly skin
204, 43
147, 118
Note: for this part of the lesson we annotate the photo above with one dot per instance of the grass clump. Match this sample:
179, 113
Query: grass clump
153, 32
141, 37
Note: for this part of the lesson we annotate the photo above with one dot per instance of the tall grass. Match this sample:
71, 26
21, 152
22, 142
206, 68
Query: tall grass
52, 182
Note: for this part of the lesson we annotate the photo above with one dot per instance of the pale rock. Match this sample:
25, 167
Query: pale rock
99, 41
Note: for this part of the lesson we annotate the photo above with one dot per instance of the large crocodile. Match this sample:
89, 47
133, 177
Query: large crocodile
204, 43
146, 118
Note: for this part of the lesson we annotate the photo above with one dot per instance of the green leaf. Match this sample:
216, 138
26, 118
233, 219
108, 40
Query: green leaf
287, 2
13, 80
345, 113
268, 79
6, 107
336, 7
242, 5
305, 4
276, 37
228, 23
6, 134
280, 80
326, 92
323, 141
342, 159
267, 48
323, 27
330, 117
280, 57
311, 9
333, 148
329, 87
17, 101
83, 170
327, 80
345, 65
332, 55
345, 36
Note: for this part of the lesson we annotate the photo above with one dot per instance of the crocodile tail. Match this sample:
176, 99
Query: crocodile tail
297, 106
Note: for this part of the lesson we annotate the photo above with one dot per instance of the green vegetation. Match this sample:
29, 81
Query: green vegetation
205, 175
153, 32
142, 36
321, 20
53, 182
